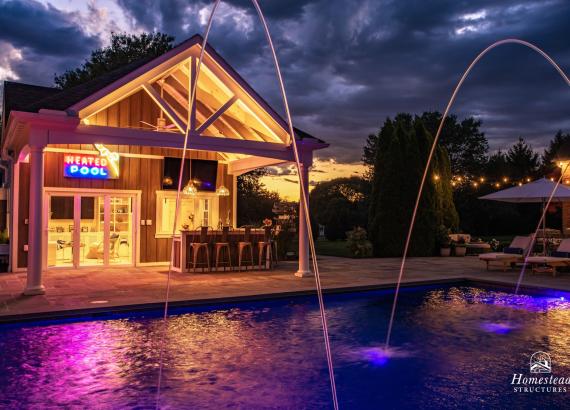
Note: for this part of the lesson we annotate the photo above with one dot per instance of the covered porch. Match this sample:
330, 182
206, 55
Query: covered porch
139, 118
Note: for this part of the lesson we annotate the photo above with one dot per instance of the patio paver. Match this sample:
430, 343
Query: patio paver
73, 291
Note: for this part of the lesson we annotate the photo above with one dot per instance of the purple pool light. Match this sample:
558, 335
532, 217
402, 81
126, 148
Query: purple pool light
380, 356
498, 327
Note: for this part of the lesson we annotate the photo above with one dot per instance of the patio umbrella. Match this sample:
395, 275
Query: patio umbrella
534, 192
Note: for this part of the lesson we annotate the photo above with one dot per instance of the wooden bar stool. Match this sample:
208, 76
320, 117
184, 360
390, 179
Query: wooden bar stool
201, 245
243, 246
265, 247
223, 248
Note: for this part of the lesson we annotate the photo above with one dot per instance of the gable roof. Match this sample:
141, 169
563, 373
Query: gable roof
32, 98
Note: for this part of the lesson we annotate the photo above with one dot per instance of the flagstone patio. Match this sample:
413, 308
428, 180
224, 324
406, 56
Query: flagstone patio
75, 292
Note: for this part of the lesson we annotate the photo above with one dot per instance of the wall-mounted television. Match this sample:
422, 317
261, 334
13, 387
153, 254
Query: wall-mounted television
204, 173
171, 170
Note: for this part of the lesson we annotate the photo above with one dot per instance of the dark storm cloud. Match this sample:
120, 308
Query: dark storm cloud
50, 40
348, 64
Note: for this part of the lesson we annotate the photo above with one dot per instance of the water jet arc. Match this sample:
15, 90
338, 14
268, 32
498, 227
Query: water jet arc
303, 200
432, 150
540, 223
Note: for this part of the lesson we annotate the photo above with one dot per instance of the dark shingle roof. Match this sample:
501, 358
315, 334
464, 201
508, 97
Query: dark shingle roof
19, 96
32, 98
66, 98
302, 135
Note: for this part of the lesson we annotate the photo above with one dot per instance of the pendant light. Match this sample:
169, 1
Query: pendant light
190, 189
222, 191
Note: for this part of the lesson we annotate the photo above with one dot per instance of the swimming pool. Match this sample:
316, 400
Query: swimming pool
453, 351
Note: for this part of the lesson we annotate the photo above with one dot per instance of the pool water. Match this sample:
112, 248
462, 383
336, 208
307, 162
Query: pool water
455, 347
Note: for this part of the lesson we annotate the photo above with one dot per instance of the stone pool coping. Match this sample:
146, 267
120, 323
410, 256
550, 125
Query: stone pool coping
72, 293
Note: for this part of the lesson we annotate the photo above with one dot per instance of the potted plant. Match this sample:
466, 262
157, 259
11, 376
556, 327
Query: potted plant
443, 241
4, 242
460, 247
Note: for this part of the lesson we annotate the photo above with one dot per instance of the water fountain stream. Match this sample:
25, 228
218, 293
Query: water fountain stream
432, 150
303, 201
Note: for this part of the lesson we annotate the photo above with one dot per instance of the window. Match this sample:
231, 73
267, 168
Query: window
195, 211
205, 211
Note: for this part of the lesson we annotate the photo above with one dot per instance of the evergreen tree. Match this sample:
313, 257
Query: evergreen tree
558, 148
522, 160
403, 148
497, 166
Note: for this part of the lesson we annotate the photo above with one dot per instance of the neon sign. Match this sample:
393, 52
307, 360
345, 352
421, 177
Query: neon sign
103, 166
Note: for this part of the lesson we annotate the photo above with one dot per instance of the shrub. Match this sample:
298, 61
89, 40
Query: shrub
358, 243
442, 237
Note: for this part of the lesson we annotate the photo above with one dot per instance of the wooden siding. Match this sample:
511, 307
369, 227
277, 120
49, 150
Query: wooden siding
129, 112
144, 174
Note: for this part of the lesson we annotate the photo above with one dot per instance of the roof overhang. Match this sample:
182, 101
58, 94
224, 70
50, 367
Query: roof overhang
56, 127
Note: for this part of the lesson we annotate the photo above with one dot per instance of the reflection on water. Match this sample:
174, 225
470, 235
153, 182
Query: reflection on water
454, 347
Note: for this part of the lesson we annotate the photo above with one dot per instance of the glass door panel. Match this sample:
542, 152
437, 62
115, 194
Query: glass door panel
121, 242
92, 231
60, 231
204, 212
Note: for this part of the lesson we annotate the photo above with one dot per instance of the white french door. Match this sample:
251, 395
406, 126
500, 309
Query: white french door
90, 228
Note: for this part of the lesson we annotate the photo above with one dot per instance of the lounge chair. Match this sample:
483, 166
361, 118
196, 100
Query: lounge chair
512, 254
559, 258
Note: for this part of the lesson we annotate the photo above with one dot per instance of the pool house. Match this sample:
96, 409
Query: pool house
92, 171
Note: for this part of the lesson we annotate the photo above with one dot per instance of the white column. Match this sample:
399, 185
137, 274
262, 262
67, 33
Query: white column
304, 268
34, 284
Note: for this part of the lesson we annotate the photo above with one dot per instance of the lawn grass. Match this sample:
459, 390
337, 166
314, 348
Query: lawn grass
328, 248
332, 248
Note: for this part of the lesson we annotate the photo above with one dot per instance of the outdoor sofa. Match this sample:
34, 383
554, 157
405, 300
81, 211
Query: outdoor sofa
473, 248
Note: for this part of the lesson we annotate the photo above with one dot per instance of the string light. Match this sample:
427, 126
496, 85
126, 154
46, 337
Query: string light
436, 177
475, 182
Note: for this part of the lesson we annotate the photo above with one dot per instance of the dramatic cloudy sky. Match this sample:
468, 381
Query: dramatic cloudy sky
347, 63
